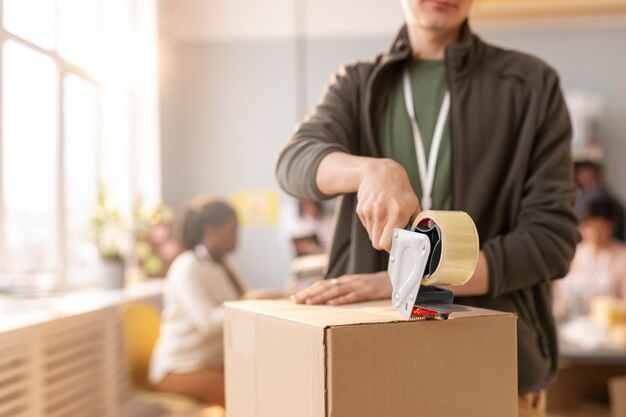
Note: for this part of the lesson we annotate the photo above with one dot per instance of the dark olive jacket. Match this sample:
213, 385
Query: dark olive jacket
512, 172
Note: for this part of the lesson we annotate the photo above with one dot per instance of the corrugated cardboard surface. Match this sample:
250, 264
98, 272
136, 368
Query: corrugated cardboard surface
286, 360
617, 390
274, 367
581, 383
463, 367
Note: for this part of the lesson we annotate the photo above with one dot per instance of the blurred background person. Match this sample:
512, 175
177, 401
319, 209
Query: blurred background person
588, 177
312, 229
309, 235
188, 357
599, 265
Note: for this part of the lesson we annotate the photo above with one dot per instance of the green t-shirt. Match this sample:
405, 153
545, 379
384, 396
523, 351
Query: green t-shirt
428, 80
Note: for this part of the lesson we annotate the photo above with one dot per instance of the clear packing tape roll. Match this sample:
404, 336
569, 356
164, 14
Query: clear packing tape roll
459, 246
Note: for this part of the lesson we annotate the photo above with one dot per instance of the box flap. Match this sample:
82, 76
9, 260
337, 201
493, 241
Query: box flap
325, 316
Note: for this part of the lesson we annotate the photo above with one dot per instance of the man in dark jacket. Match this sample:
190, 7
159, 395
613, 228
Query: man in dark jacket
500, 152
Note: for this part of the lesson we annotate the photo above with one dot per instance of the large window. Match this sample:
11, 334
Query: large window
29, 158
78, 109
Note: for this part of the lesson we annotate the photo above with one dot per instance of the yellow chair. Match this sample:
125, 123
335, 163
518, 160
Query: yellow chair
141, 329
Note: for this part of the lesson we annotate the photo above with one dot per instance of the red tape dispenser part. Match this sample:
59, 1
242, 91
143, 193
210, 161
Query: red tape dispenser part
423, 313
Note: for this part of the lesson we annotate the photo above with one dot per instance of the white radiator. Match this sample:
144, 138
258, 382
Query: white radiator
68, 367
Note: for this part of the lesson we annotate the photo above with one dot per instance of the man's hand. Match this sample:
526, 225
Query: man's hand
347, 289
386, 200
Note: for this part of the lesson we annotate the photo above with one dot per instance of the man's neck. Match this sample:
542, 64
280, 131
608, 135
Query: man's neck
429, 44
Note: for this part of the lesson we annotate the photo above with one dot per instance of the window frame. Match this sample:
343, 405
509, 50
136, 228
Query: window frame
66, 67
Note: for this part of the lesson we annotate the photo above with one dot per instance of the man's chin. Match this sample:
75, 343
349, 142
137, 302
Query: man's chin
436, 25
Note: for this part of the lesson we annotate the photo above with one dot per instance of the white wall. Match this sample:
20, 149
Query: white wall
237, 75
218, 20
226, 109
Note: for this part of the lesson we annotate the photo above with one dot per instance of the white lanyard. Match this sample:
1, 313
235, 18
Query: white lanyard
427, 172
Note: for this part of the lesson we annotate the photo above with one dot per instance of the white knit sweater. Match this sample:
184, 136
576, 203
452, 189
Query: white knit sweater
191, 334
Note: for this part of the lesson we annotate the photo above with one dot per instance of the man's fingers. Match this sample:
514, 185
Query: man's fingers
329, 294
385, 239
364, 216
387, 234
315, 289
335, 289
350, 297
380, 218
307, 291
416, 213
347, 289
322, 291
377, 230
381, 215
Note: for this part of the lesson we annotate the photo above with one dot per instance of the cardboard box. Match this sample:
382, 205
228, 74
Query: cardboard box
584, 409
583, 384
617, 391
362, 360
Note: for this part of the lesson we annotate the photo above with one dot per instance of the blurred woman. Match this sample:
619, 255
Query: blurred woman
599, 266
188, 357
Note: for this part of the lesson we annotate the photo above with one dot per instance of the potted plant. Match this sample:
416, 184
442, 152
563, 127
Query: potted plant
111, 236
154, 244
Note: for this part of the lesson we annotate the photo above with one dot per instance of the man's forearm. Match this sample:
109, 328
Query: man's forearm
340, 173
478, 284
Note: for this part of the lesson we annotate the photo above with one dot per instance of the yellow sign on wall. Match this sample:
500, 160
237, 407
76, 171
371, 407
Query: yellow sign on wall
256, 208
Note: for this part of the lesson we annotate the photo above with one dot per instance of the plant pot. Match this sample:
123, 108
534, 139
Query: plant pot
111, 274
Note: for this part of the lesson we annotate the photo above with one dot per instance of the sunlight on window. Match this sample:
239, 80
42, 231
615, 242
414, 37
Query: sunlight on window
120, 53
116, 148
80, 169
118, 17
78, 31
103, 58
148, 149
33, 20
29, 159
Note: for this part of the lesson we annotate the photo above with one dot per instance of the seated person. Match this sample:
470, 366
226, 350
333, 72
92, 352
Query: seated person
188, 356
312, 230
599, 266
588, 176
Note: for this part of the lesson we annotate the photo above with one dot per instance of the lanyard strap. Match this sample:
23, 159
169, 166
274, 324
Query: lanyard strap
426, 171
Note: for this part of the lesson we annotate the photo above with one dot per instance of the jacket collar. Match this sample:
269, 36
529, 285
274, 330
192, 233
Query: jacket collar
400, 48
461, 57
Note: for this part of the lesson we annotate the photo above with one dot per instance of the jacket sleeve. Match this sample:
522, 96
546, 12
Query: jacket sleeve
329, 127
542, 244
